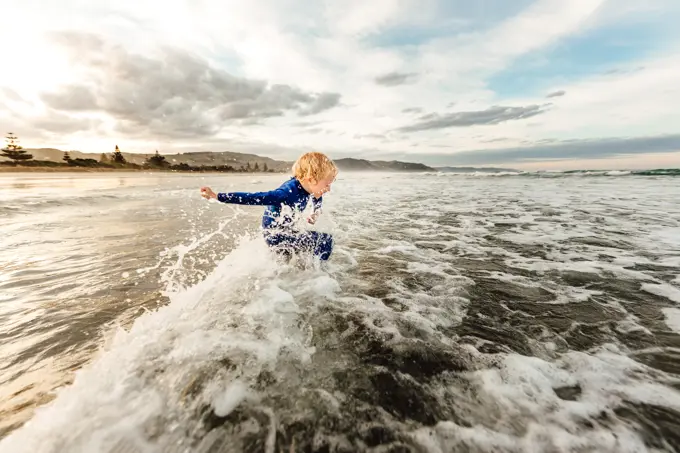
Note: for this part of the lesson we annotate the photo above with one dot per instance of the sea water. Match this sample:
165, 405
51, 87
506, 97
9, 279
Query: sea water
517, 313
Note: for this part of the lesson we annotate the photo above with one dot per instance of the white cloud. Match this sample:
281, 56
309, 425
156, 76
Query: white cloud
359, 17
637, 103
641, 102
326, 46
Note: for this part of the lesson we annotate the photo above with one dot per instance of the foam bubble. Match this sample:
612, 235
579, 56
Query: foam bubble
663, 290
231, 397
617, 173
404, 248
672, 318
523, 408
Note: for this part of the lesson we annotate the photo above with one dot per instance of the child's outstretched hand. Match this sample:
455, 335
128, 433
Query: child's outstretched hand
312, 218
207, 193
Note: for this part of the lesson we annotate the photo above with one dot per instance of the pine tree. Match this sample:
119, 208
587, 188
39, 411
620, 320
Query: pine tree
66, 157
13, 150
265, 168
157, 160
248, 166
257, 167
118, 156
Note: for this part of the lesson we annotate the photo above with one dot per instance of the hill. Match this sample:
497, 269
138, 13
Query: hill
235, 160
474, 169
351, 164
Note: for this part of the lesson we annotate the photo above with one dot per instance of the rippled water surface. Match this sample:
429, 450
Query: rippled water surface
458, 313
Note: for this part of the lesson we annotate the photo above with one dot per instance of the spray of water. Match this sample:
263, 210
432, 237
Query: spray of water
206, 348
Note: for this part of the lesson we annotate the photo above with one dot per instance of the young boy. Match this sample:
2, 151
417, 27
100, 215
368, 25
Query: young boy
313, 175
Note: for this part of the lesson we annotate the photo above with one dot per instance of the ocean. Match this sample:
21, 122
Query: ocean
517, 312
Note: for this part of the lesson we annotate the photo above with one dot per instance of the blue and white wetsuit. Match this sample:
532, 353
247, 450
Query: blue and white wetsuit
278, 220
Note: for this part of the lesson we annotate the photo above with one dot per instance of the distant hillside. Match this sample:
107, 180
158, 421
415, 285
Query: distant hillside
236, 160
473, 169
350, 164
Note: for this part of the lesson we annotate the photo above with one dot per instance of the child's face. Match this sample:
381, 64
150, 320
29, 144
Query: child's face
320, 187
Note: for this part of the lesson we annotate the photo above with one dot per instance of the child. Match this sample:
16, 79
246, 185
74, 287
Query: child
313, 175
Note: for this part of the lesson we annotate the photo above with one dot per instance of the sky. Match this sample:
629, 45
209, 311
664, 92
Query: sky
527, 84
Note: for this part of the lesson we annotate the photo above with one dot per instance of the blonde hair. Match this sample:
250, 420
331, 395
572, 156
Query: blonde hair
314, 166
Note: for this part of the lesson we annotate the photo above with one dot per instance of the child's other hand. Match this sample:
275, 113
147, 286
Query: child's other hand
207, 193
312, 218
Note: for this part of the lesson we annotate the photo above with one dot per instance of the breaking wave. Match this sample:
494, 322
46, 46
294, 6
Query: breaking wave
567, 173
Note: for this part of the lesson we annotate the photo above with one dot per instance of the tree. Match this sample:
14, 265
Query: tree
66, 157
257, 167
104, 159
83, 162
118, 156
265, 168
13, 150
248, 166
157, 161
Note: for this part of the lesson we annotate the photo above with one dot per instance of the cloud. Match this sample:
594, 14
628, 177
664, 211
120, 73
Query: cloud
490, 116
324, 101
624, 70
306, 123
495, 140
64, 124
396, 78
254, 71
428, 116
71, 97
565, 150
360, 136
174, 94
556, 94
11, 95
81, 44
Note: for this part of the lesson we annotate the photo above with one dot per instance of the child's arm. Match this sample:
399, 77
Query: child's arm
272, 197
316, 203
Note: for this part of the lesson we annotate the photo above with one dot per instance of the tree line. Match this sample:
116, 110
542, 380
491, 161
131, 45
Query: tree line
20, 157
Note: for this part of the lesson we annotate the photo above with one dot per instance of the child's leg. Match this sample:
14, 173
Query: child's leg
320, 244
323, 244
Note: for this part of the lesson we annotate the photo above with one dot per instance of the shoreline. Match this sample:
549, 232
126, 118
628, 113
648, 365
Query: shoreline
74, 169
8, 169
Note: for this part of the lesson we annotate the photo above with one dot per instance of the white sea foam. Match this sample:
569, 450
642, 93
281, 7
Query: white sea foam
145, 372
617, 173
406, 262
403, 247
227, 400
631, 324
672, 318
663, 290
532, 417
